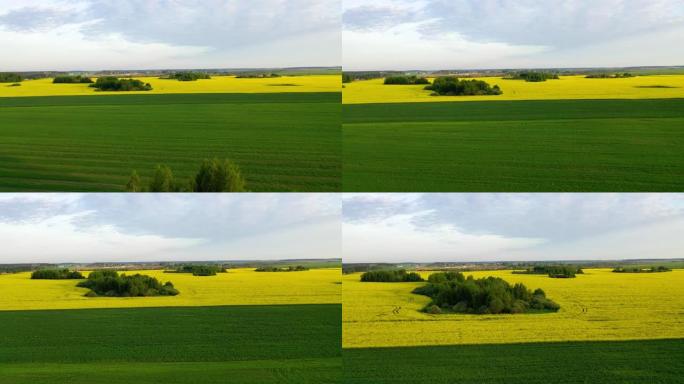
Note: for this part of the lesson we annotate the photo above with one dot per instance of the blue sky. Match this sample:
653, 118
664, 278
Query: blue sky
66, 227
453, 34
499, 227
134, 34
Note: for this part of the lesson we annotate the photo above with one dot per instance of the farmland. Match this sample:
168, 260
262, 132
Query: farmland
533, 145
236, 344
240, 326
611, 328
285, 141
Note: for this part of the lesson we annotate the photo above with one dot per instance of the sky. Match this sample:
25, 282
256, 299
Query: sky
483, 34
92, 227
511, 227
69, 35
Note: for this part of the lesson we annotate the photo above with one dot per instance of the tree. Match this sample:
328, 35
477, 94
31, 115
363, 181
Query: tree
219, 176
162, 181
134, 184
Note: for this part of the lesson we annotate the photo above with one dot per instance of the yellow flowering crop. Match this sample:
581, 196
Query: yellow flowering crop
599, 305
217, 84
236, 287
567, 87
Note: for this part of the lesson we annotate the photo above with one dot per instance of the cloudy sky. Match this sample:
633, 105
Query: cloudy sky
153, 34
486, 227
464, 34
163, 227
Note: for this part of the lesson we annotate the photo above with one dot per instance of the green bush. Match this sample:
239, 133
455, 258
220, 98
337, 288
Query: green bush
532, 77
218, 176
113, 84
555, 271
72, 80
188, 76
453, 86
452, 292
199, 270
391, 276
56, 274
405, 80
111, 284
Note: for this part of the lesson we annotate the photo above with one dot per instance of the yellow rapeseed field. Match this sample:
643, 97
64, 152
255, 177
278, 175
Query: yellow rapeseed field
236, 287
567, 87
217, 84
599, 305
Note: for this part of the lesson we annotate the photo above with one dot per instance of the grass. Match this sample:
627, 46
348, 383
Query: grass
281, 141
652, 362
236, 287
240, 344
596, 305
511, 146
217, 84
567, 87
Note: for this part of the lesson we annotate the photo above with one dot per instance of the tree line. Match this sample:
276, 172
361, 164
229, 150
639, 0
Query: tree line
532, 76
405, 80
72, 80
659, 268
257, 75
453, 86
114, 84
296, 268
451, 292
187, 76
391, 276
610, 75
213, 176
199, 270
10, 78
56, 274
110, 284
555, 271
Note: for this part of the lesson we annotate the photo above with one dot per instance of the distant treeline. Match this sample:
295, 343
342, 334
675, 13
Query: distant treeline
10, 78
114, 84
295, 268
348, 77
199, 270
610, 75
405, 80
391, 276
556, 271
641, 270
257, 75
452, 292
110, 284
187, 76
72, 80
532, 76
453, 86
213, 176
56, 274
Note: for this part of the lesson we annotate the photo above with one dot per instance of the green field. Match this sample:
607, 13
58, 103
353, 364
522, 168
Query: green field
545, 145
233, 344
281, 141
643, 361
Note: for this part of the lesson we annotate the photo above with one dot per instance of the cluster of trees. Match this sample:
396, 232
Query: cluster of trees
56, 274
10, 78
532, 76
111, 284
213, 176
188, 76
72, 80
199, 270
114, 84
556, 271
610, 75
391, 276
291, 268
659, 268
452, 292
453, 86
257, 75
405, 80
